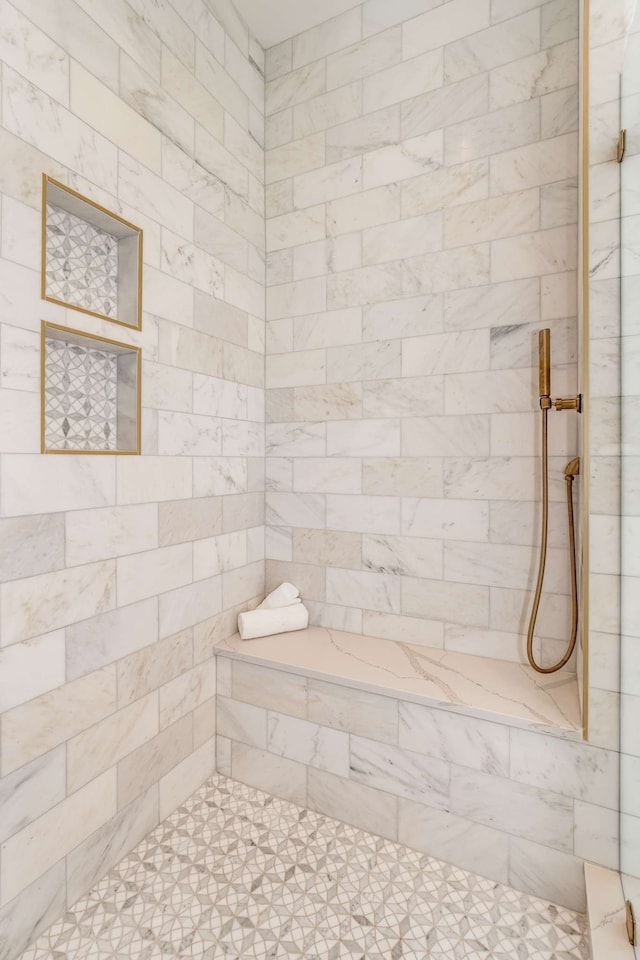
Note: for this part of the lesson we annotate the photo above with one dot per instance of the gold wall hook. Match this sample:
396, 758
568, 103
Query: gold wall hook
622, 146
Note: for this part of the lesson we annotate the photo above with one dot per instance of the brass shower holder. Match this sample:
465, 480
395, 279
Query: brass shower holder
562, 403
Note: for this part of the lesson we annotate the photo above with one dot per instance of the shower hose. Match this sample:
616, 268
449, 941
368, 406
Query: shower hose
571, 470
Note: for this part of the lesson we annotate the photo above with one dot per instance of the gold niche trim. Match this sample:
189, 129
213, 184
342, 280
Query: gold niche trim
45, 327
131, 228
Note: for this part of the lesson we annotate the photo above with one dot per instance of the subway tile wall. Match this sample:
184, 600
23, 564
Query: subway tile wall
421, 191
118, 574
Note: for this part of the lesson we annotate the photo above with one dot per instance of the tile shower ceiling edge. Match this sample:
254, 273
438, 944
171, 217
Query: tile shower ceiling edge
273, 21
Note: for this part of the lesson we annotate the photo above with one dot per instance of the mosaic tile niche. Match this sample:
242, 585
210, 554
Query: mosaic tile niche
91, 257
82, 263
90, 394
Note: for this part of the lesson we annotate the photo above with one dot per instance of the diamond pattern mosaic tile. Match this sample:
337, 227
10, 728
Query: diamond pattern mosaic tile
82, 263
235, 873
81, 387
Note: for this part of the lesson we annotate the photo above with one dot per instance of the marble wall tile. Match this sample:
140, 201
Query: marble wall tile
153, 572
400, 772
363, 514
185, 606
550, 251
487, 49
411, 158
402, 556
414, 630
89, 861
367, 361
309, 743
296, 510
370, 132
180, 783
55, 833
534, 76
586, 772
32, 545
535, 868
403, 477
327, 110
39, 604
95, 750
354, 711
337, 475
399, 83
363, 438
32, 790
454, 839
339, 401
332, 35
93, 535
121, 123
446, 436
327, 183
377, 591
38, 726
438, 27
302, 226
436, 599
215, 555
146, 670
30, 668
396, 398
355, 803
369, 56
151, 479
32, 115
272, 689
445, 519
535, 164
460, 740
57, 484
596, 836
153, 760
186, 693
446, 105
187, 520
277, 775
101, 640
295, 158
403, 239
528, 812
327, 547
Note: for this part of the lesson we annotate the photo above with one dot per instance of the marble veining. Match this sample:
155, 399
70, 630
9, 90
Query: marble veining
237, 873
510, 693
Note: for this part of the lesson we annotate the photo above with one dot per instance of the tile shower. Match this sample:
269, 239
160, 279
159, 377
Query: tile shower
368, 363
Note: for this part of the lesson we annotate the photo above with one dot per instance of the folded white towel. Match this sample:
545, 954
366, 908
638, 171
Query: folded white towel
283, 596
264, 623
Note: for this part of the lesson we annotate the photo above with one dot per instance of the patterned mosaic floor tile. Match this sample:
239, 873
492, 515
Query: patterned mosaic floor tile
235, 874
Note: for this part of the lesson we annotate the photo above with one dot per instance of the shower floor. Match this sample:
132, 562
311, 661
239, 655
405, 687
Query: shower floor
237, 873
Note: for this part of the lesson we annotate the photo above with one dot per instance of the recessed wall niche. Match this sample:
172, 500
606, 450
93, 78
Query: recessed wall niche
91, 258
90, 393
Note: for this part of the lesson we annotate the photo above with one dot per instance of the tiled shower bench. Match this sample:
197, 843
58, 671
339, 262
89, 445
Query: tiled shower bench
475, 761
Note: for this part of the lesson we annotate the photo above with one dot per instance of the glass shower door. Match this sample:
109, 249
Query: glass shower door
630, 476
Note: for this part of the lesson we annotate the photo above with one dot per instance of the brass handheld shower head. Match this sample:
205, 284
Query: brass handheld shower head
544, 362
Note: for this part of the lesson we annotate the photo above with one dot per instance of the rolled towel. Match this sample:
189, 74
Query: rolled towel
264, 623
283, 596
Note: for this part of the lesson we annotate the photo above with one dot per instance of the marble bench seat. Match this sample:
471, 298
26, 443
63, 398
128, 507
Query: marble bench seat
478, 762
497, 690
